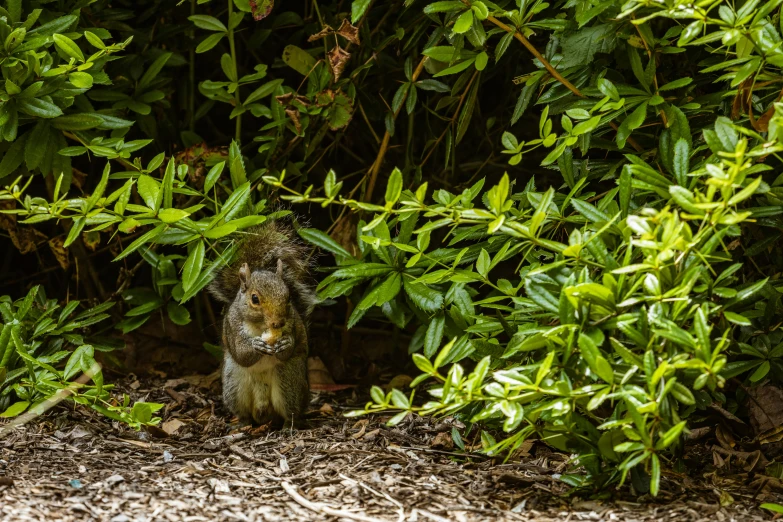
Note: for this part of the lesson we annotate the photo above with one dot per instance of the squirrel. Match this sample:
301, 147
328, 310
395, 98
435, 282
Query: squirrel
269, 301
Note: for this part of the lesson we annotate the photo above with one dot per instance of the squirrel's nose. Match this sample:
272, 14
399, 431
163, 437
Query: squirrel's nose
278, 325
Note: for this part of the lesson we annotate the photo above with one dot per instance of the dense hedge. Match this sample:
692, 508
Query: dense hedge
582, 234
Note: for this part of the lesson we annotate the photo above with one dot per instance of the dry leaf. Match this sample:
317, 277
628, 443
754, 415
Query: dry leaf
172, 426
200, 381
317, 372
399, 382
338, 58
294, 115
326, 31
92, 240
60, 253
765, 408
349, 32
443, 441
344, 232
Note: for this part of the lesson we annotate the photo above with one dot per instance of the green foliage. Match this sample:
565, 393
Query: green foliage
42, 351
616, 274
602, 346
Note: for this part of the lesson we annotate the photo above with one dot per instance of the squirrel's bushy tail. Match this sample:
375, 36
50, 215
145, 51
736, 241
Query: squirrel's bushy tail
261, 247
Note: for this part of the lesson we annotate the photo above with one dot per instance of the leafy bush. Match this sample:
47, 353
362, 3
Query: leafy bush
616, 275
34, 339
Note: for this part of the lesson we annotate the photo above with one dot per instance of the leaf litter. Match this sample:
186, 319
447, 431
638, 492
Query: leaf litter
72, 464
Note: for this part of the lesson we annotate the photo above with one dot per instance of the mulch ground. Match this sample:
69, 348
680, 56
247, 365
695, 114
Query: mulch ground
72, 464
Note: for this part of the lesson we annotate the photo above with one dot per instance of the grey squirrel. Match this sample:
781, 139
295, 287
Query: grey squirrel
270, 299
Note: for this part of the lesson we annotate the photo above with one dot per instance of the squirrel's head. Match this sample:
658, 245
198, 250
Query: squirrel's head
266, 296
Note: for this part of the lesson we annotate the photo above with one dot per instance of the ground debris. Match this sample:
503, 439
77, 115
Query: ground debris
76, 465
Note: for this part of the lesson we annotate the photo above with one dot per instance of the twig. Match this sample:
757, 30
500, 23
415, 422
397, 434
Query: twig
530, 47
321, 508
376, 166
551, 70
453, 119
367, 121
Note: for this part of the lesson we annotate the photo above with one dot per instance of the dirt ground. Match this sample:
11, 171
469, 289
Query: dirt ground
73, 464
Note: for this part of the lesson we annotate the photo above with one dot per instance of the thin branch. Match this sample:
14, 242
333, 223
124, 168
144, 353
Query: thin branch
548, 66
376, 166
551, 70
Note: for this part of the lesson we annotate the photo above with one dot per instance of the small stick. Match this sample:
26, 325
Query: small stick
320, 508
376, 166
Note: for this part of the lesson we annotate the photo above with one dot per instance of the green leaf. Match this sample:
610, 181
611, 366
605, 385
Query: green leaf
172, 215
454, 69
149, 237
737, 318
221, 231
210, 23
393, 187
76, 229
13, 157
463, 23
82, 121
760, 372
444, 6
178, 314
262, 92
152, 72
596, 361
625, 184
676, 84
324, 241
209, 42
149, 190
193, 265
682, 152
483, 263
213, 176
655, 475
68, 46
81, 80
39, 107
434, 334
581, 47
15, 409
775, 508
358, 8
424, 297
589, 211
298, 59
671, 435
630, 123
82, 356
37, 143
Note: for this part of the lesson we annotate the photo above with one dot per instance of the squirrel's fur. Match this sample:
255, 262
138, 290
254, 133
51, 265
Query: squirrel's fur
262, 246
269, 300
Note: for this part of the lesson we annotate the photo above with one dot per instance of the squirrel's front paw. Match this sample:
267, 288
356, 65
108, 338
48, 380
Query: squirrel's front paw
261, 346
284, 345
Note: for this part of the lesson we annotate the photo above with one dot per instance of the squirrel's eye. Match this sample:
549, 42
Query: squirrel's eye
254, 298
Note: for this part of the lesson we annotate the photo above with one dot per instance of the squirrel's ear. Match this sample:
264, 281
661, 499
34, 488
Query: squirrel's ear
244, 272
280, 268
